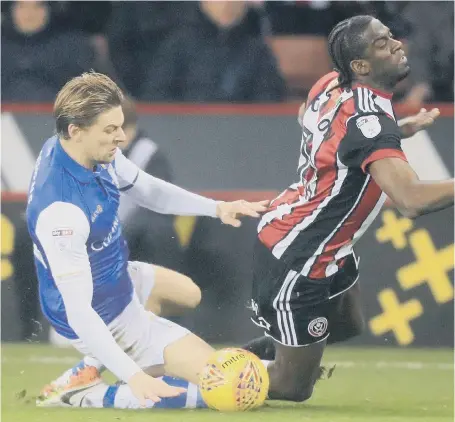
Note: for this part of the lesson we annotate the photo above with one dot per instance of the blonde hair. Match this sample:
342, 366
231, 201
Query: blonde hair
83, 99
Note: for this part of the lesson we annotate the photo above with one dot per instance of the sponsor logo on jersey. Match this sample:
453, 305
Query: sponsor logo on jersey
97, 212
100, 245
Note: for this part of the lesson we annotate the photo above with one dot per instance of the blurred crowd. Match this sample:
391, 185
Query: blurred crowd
207, 51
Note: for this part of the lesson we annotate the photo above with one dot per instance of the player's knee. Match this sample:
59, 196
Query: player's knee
303, 395
194, 294
295, 394
295, 387
299, 395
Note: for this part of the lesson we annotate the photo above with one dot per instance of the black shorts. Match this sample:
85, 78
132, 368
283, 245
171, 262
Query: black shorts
292, 308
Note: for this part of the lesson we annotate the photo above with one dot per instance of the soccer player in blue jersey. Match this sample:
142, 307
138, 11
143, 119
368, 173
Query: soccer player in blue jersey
85, 280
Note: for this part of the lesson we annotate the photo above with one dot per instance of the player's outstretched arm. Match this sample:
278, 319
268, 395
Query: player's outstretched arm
166, 198
62, 230
412, 196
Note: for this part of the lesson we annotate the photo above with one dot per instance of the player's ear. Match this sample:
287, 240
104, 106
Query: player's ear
360, 67
74, 131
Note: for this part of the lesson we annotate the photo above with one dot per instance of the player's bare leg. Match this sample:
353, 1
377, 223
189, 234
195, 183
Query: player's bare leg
186, 357
187, 365
172, 294
294, 371
184, 360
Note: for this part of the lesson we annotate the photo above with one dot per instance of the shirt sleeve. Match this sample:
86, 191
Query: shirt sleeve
62, 230
370, 137
158, 195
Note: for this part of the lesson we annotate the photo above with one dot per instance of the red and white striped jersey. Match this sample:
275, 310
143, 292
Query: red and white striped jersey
314, 223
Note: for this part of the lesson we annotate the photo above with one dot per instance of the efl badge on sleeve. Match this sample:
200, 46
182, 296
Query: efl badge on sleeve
369, 126
62, 238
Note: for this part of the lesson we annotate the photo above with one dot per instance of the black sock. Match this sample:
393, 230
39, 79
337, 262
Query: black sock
262, 347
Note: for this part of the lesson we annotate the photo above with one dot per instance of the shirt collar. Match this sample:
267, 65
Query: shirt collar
81, 173
378, 92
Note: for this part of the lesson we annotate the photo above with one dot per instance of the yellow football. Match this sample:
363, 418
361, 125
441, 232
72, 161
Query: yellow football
234, 380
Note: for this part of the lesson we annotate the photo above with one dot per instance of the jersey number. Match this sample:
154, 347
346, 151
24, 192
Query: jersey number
306, 163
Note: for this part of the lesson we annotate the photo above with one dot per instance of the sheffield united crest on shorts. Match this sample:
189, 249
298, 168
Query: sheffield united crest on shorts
369, 126
318, 327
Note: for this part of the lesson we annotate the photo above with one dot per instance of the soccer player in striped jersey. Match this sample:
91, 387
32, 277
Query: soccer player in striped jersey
305, 290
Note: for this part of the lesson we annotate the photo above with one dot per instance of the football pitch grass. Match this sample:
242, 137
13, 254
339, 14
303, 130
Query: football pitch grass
374, 385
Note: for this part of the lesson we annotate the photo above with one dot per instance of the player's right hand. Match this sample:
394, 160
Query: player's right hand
146, 387
228, 212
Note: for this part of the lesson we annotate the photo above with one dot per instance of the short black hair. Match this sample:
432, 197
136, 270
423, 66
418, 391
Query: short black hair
346, 43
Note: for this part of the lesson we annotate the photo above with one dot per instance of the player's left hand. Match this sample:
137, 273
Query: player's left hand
228, 212
411, 125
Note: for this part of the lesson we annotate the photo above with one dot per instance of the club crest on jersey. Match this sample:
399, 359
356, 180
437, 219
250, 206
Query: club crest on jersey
97, 212
369, 126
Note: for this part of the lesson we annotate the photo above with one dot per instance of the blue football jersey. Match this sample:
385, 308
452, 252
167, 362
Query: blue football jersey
61, 185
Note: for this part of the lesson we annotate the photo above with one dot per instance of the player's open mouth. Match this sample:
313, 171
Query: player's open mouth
404, 59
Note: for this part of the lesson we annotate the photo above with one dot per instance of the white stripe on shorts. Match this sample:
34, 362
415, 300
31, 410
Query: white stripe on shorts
284, 313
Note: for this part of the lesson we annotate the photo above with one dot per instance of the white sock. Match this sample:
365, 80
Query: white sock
63, 379
121, 397
266, 362
111, 396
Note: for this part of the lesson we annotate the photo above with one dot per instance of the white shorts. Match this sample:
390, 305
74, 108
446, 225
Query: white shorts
140, 333
143, 277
